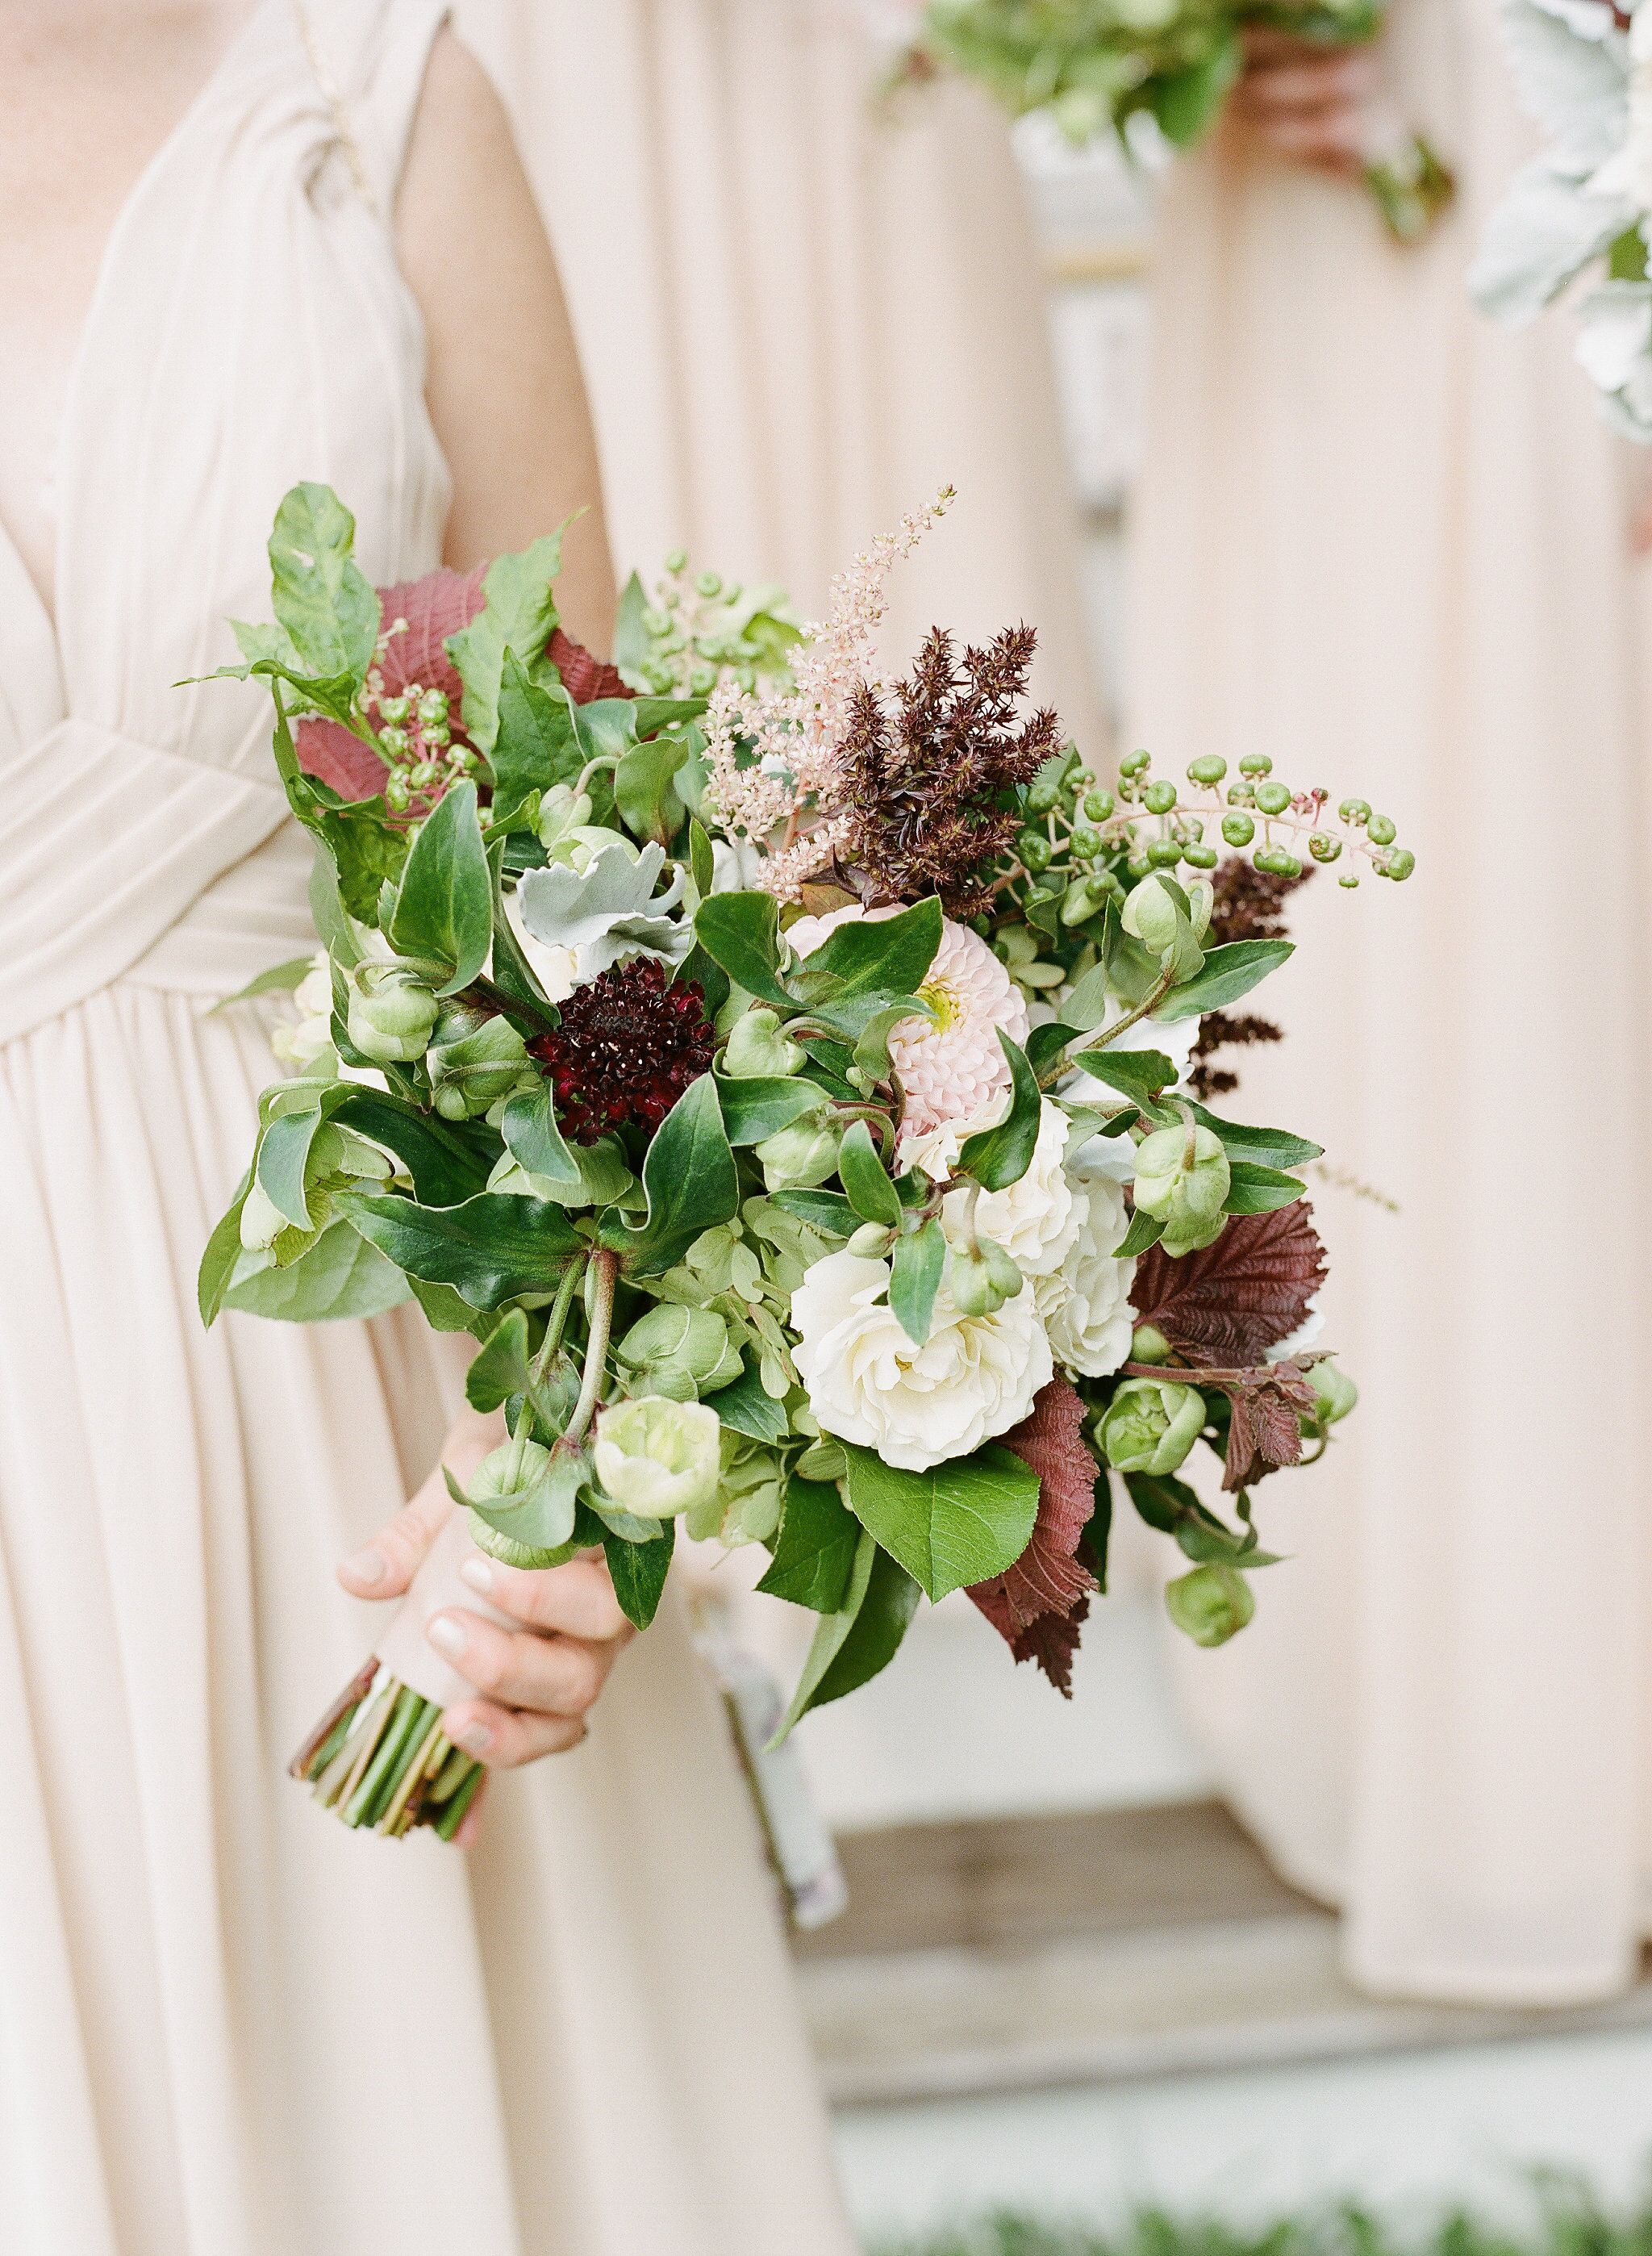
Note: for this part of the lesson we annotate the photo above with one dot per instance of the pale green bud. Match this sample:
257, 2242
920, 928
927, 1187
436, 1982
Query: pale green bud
562, 811
1183, 1179
1211, 1604
758, 1050
982, 1277
1149, 1344
1152, 915
474, 1072
511, 1469
680, 1352
392, 1014
655, 1458
1150, 1425
1334, 1391
801, 1157
870, 1241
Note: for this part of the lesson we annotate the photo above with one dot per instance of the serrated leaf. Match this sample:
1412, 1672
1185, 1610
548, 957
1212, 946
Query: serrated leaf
915, 1279
1231, 1301
999, 1157
325, 602
1049, 1582
443, 904
741, 933
866, 1182
536, 747
814, 1555
957, 1523
1229, 972
518, 614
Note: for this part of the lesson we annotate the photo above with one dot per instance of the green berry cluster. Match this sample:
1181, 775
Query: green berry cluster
414, 731
700, 627
1158, 824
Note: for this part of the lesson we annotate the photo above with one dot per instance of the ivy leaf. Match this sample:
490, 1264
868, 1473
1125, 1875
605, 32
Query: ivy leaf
1231, 1301
691, 1183
444, 906
1265, 1429
638, 1572
915, 1279
492, 1249
814, 1555
1229, 972
741, 933
1001, 1156
956, 1523
1047, 1589
322, 598
863, 1636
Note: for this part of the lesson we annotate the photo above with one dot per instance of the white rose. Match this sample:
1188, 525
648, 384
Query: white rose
916, 1407
1034, 1220
1086, 1304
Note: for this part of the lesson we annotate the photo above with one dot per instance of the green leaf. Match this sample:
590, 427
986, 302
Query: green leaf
866, 1183
763, 1106
691, 1183
541, 1517
888, 956
537, 745
747, 1408
1184, 102
863, 1636
520, 615
1229, 972
1266, 1147
702, 862
444, 909
492, 1249
446, 1164
1145, 1230
280, 979
500, 1367
998, 1157
632, 649
606, 726
1260, 1190
958, 1523
872, 1046
915, 1277
826, 1210
534, 1140
445, 1311
340, 1276
1139, 1074
510, 969
323, 599
638, 1572
741, 932
814, 1556
221, 1254
644, 790
283, 1153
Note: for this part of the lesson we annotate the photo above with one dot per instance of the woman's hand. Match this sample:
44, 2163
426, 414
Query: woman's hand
537, 1683
1308, 102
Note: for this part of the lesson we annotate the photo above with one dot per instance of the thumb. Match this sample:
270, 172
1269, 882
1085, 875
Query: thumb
384, 1567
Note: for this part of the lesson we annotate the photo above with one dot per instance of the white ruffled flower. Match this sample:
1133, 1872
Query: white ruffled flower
1086, 1304
299, 1042
868, 1383
952, 1068
1034, 1220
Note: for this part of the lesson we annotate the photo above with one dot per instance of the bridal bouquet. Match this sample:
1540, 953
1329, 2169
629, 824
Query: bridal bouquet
778, 1071
1095, 64
1583, 69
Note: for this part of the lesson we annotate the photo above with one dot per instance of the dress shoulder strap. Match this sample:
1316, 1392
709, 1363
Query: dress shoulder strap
369, 59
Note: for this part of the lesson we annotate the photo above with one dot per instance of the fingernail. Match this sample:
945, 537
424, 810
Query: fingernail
368, 1566
445, 1634
478, 1572
475, 1739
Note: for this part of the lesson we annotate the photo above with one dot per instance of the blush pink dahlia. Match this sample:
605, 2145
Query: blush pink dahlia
952, 1067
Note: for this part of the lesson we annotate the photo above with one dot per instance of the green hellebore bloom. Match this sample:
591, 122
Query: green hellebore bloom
801, 1158
392, 1012
757, 1049
1154, 914
1211, 1604
655, 1458
561, 812
680, 1352
982, 1277
1150, 1425
470, 1073
1183, 1179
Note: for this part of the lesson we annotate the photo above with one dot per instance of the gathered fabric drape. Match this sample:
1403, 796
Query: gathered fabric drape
799, 319
228, 2026
1385, 542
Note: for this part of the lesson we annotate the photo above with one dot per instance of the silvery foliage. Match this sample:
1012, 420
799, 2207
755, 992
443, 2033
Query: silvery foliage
608, 909
1588, 84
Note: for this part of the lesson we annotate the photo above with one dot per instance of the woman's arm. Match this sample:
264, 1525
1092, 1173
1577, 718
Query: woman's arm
504, 386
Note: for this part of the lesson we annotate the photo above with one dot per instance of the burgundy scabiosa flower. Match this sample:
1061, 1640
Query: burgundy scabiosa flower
629, 1046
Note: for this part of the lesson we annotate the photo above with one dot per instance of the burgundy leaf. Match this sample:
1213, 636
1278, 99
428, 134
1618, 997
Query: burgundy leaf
585, 678
434, 608
328, 750
1265, 1431
1232, 1302
1046, 1592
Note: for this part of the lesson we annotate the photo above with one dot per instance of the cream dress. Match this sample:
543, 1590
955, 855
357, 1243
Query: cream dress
1386, 542
229, 2027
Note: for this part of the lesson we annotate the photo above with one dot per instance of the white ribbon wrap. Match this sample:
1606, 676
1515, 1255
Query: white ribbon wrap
406, 1648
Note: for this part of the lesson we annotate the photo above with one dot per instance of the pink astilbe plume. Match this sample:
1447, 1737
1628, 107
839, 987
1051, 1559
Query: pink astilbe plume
774, 753
1037, 1606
